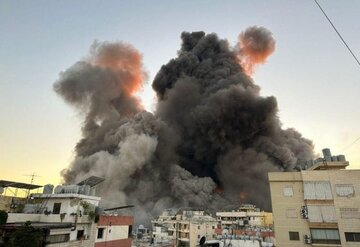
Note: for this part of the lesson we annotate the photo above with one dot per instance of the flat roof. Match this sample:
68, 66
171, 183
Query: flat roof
38, 225
66, 195
13, 184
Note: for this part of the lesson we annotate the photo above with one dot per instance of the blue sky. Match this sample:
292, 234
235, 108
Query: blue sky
315, 79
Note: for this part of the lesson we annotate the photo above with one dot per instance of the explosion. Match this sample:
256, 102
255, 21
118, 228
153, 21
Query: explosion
211, 137
256, 44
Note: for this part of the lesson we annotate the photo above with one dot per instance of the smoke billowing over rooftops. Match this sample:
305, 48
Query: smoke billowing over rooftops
212, 138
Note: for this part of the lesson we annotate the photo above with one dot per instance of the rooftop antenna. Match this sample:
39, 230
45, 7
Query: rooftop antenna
33, 176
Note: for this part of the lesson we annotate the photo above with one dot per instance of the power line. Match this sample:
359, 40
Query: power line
348, 146
337, 32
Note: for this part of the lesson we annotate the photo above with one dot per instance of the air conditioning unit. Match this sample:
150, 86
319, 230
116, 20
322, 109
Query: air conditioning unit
304, 212
307, 239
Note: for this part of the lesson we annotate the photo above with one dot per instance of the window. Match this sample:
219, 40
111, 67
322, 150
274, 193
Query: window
198, 227
288, 191
59, 238
318, 190
325, 236
321, 213
352, 236
345, 190
56, 208
350, 213
198, 236
80, 235
294, 236
100, 233
130, 231
213, 227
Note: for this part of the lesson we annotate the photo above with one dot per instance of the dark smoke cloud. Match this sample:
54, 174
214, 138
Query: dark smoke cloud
212, 137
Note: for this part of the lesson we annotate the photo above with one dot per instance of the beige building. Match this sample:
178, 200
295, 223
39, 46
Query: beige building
318, 206
186, 228
246, 215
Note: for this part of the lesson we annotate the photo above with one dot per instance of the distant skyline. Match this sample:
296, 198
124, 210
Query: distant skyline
312, 75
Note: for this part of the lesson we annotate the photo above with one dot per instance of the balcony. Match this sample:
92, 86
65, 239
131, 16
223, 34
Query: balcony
51, 218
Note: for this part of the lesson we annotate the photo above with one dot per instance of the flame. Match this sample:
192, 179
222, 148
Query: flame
256, 44
126, 64
243, 195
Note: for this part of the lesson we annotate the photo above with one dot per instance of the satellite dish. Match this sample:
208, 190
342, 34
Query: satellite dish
202, 240
1, 190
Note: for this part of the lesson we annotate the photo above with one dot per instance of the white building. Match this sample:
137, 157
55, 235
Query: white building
67, 218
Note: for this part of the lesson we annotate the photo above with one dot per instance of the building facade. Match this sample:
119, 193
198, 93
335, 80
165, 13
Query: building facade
114, 231
318, 206
186, 228
68, 218
246, 215
244, 224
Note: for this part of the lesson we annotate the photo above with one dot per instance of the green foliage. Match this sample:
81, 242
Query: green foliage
27, 236
91, 215
3, 217
86, 206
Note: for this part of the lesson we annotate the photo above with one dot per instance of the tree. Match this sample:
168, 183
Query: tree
27, 236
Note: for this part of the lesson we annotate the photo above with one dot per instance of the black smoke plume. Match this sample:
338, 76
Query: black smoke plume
210, 142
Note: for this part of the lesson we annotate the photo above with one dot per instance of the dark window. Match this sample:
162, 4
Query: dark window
80, 235
325, 236
294, 236
198, 227
130, 231
213, 227
56, 208
59, 238
198, 236
100, 232
352, 236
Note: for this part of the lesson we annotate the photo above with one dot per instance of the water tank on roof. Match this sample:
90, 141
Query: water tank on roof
84, 190
67, 189
99, 211
341, 157
326, 152
327, 158
92, 191
48, 189
334, 158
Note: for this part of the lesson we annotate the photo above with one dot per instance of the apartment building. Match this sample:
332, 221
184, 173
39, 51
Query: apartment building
318, 206
67, 218
185, 228
246, 215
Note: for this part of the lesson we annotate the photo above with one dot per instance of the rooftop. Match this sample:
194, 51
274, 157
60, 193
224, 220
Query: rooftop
13, 184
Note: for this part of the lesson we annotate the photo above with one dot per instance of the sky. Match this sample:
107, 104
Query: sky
312, 75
